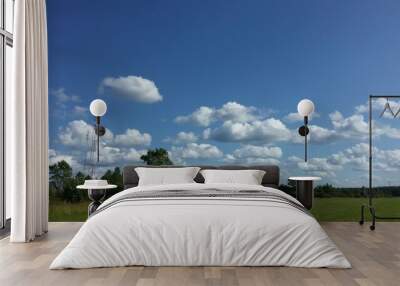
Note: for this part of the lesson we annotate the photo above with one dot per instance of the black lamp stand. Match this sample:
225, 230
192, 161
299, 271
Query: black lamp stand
303, 131
100, 131
370, 205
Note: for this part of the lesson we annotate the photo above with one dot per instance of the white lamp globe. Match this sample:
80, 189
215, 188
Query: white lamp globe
305, 107
98, 107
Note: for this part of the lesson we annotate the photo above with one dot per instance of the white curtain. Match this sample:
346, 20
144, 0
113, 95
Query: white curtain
27, 124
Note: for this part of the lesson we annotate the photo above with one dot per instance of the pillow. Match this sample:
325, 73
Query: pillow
248, 177
165, 176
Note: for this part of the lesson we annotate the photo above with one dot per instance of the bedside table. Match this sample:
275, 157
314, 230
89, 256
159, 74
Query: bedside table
96, 192
305, 190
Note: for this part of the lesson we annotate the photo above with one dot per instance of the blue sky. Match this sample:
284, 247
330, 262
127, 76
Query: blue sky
247, 63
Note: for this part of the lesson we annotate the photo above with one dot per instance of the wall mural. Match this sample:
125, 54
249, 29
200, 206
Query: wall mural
218, 82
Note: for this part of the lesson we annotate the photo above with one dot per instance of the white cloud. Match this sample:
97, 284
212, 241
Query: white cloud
62, 97
206, 133
353, 126
315, 166
296, 117
55, 157
133, 137
52, 152
236, 112
320, 135
196, 151
182, 138
113, 156
62, 104
133, 87
244, 124
267, 131
230, 159
257, 152
386, 130
356, 127
174, 157
114, 150
251, 154
358, 157
293, 117
80, 110
110, 155
362, 108
187, 137
378, 106
354, 158
78, 133
134, 155
204, 116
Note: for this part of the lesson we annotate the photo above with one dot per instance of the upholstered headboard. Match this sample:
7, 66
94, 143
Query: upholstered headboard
271, 177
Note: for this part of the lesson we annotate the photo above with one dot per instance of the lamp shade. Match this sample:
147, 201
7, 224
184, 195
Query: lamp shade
98, 107
305, 107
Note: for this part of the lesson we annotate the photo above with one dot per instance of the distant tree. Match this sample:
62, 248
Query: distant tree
107, 176
114, 178
58, 172
70, 192
81, 177
158, 156
62, 183
325, 191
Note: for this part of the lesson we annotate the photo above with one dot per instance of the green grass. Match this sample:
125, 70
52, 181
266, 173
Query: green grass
326, 209
62, 211
348, 209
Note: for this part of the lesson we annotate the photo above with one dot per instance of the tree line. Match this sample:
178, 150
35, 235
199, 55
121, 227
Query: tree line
330, 191
62, 181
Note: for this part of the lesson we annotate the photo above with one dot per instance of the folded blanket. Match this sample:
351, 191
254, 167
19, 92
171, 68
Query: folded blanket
206, 193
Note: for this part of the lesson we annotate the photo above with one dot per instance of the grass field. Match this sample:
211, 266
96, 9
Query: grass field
348, 209
326, 209
61, 211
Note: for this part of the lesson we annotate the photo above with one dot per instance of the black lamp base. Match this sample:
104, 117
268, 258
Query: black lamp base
96, 196
303, 130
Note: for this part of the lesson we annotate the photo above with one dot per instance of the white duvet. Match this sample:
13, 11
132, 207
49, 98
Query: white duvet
199, 231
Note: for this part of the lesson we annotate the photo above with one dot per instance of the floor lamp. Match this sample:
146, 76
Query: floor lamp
98, 108
370, 205
305, 109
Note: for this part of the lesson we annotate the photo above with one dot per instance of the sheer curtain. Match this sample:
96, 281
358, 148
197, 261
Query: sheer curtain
27, 124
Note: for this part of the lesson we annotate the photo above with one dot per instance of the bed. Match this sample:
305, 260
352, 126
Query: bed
201, 224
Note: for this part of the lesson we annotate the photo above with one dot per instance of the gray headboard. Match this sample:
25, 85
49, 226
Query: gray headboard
271, 177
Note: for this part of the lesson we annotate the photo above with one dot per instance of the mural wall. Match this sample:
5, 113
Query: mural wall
218, 82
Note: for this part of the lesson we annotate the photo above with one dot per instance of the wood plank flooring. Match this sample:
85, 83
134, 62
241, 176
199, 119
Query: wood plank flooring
375, 257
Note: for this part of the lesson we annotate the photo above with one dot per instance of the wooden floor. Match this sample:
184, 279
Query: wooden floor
375, 257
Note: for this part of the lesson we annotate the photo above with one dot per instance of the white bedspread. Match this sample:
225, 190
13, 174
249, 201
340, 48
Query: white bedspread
200, 231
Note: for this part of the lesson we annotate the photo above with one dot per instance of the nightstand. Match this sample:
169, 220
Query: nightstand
305, 190
96, 192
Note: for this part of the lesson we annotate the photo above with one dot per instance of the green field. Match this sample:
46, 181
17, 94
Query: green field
348, 209
326, 209
61, 211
